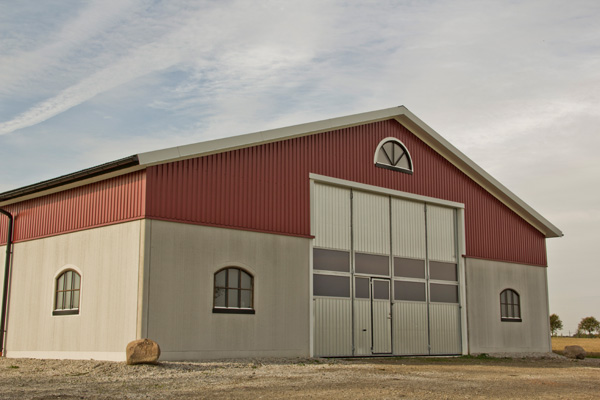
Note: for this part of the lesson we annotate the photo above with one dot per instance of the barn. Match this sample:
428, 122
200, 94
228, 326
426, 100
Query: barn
363, 235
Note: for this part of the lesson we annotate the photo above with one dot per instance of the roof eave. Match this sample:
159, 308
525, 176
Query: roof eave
68, 179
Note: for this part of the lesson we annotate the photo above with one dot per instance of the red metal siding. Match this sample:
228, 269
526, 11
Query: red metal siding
266, 188
107, 202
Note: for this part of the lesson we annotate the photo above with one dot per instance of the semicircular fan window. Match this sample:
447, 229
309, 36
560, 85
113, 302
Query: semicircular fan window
392, 154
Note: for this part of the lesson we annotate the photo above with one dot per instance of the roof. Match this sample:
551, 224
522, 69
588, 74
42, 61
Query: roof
400, 114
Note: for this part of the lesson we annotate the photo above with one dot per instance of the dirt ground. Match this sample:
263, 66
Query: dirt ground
382, 378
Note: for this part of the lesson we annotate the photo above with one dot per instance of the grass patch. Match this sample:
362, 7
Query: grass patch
482, 356
590, 345
13, 367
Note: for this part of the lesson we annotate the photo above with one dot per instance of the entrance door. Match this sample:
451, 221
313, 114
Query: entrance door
381, 316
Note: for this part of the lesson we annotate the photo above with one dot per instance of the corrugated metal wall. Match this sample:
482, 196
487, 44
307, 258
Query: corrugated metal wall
441, 240
333, 327
107, 202
445, 332
410, 328
332, 210
266, 188
371, 223
408, 229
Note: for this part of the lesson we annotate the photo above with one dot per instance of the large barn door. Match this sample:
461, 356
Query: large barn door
332, 289
409, 249
385, 275
444, 309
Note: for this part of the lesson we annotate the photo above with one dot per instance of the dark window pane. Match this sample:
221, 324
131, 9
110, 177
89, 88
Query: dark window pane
442, 271
411, 291
220, 297
246, 281
407, 268
331, 260
220, 278
76, 299
245, 298
443, 293
371, 264
68, 277
361, 287
58, 301
381, 290
233, 278
232, 298
67, 299
504, 309
503, 297
330, 285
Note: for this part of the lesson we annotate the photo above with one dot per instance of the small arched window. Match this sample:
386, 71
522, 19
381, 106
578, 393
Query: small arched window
234, 291
510, 306
392, 154
66, 294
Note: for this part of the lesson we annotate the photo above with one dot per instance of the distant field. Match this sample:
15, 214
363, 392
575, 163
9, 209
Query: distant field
591, 346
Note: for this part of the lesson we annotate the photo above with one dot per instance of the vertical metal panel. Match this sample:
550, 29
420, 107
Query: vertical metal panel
445, 328
371, 223
410, 328
408, 229
332, 217
106, 202
382, 327
362, 327
333, 327
266, 188
441, 234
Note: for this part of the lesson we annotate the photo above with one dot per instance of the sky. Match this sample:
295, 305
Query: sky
515, 85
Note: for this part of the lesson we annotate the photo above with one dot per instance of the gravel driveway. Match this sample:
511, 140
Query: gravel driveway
410, 378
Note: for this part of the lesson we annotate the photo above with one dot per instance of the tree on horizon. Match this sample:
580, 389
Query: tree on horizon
555, 324
589, 325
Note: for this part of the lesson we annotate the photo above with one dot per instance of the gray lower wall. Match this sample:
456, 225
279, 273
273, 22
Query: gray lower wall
180, 269
487, 333
107, 259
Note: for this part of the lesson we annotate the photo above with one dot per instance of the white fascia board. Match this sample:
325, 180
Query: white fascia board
475, 172
257, 138
400, 114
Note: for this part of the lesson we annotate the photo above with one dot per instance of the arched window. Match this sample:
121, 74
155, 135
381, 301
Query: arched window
67, 290
234, 291
392, 154
510, 306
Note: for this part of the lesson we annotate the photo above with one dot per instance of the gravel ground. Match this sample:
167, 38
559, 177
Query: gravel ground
376, 378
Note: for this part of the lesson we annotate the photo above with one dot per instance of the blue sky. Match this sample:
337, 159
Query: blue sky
515, 85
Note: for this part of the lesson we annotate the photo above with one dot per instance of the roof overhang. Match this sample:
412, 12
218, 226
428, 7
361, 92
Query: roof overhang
79, 178
400, 114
